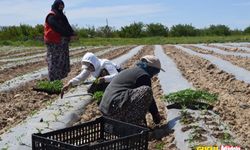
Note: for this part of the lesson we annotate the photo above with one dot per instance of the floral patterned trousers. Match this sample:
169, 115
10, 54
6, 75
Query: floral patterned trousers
58, 60
135, 109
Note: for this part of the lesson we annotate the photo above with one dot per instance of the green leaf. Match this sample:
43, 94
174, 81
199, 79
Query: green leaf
51, 87
98, 96
188, 96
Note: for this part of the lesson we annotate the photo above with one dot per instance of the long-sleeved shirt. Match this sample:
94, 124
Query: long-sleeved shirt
99, 65
121, 85
112, 70
63, 28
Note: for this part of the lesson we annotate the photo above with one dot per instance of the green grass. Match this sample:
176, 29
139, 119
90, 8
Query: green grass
139, 41
161, 40
27, 43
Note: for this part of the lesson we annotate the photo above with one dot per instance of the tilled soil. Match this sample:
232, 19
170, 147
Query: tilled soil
243, 62
166, 142
18, 70
233, 49
20, 52
17, 104
233, 105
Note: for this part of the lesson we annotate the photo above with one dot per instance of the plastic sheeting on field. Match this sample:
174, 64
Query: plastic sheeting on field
239, 73
219, 51
171, 80
233, 45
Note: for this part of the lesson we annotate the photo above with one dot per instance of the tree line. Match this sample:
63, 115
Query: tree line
25, 32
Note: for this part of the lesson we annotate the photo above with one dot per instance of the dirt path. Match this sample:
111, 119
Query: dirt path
17, 104
233, 105
243, 62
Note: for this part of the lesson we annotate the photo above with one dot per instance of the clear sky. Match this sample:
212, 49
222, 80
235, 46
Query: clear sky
84, 13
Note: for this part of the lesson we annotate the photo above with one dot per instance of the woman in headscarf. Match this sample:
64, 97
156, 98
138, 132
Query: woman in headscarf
57, 34
129, 96
102, 69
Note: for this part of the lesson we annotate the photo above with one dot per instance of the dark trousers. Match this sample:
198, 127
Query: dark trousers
58, 60
135, 109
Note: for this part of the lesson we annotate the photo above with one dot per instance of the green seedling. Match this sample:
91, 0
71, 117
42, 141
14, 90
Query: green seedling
56, 116
39, 130
60, 111
49, 102
204, 110
227, 139
159, 146
194, 136
50, 87
188, 96
67, 105
96, 81
6, 147
186, 117
98, 96
47, 124
33, 112
19, 139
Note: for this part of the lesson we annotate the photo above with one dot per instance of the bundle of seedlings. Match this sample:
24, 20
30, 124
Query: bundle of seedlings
97, 96
50, 87
193, 99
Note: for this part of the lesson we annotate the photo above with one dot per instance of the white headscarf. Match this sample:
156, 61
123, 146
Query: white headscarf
91, 58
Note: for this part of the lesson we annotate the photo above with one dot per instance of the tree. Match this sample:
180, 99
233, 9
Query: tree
132, 31
156, 30
247, 30
183, 30
105, 31
220, 30
236, 32
91, 32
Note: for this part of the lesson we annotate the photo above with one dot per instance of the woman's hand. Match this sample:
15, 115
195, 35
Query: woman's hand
101, 80
66, 87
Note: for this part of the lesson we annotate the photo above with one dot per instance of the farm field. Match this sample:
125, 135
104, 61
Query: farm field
221, 69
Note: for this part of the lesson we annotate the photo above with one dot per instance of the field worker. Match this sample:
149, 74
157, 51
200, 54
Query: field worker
129, 95
57, 34
102, 69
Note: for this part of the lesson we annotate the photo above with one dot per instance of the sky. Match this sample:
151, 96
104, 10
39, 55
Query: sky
85, 13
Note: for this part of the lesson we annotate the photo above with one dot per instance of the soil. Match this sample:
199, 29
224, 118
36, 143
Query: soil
233, 49
18, 70
21, 52
17, 104
243, 62
233, 105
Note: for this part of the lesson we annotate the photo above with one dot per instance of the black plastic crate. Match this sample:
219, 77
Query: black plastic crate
101, 134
